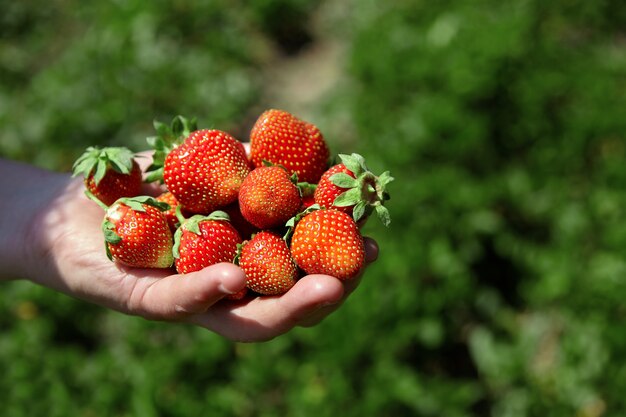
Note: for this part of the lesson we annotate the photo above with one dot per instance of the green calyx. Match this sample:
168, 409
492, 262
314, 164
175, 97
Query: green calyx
98, 161
137, 203
166, 139
192, 224
366, 191
110, 236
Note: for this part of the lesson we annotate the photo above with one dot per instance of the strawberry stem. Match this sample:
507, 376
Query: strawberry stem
96, 200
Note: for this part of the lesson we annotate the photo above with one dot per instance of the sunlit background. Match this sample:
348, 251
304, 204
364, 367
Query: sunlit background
501, 282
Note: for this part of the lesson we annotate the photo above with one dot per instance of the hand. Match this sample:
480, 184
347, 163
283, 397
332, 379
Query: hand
66, 253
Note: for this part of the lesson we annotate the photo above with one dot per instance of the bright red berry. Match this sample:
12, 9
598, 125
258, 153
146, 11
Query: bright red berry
352, 188
109, 173
328, 242
267, 263
137, 234
326, 192
201, 241
206, 171
268, 197
280, 138
170, 214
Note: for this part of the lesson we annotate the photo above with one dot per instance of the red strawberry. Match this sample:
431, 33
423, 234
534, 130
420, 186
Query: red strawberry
201, 241
137, 234
170, 214
282, 139
352, 188
109, 173
267, 263
203, 169
206, 171
268, 197
328, 242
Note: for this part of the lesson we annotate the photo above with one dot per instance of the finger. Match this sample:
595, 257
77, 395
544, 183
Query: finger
371, 250
264, 318
178, 296
371, 254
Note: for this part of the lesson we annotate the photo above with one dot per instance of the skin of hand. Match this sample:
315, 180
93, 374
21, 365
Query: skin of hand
50, 234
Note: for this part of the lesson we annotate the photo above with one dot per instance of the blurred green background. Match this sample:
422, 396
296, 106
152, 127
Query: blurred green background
500, 285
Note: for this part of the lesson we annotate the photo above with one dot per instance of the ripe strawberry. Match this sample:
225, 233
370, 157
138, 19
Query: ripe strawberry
170, 214
166, 139
268, 197
202, 168
328, 242
267, 263
137, 234
206, 171
201, 241
109, 173
282, 139
352, 188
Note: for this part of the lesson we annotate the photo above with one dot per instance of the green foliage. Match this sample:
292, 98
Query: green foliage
102, 71
500, 282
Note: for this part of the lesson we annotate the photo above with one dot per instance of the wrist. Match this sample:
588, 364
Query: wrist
25, 194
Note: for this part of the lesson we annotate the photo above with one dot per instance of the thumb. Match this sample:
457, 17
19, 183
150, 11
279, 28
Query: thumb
178, 296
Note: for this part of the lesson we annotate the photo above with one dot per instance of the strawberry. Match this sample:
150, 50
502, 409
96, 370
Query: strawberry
170, 214
137, 234
269, 197
352, 188
201, 241
267, 263
206, 171
203, 169
166, 139
282, 139
328, 241
109, 173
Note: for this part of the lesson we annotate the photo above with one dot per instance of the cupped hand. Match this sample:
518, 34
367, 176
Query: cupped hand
70, 256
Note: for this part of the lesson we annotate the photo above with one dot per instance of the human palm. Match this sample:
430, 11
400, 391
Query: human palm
70, 257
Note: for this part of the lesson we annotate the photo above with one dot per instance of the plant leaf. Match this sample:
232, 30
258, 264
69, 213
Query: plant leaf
348, 198
343, 180
383, 214
352, 163
359, 210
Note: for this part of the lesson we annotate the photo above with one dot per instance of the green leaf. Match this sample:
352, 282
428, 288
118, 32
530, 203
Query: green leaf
108, 229
343, 180
218, 215
176, 248
383, 214
136, 203
359, 210
385, 178
101, 170
306, 189
348, 198
353, 164
168, 137
192, 224
155, 175
95, 199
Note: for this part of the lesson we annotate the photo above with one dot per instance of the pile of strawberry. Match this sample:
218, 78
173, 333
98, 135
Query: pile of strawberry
279, 213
